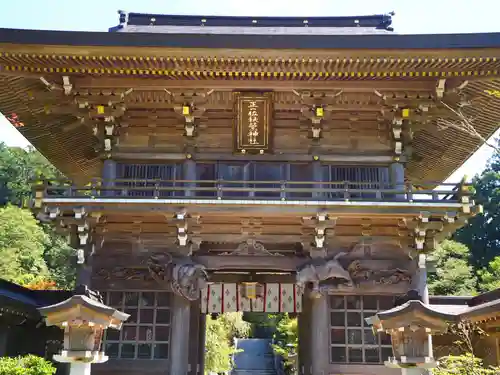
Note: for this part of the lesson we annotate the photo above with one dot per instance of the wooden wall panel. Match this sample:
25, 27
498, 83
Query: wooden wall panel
291, 135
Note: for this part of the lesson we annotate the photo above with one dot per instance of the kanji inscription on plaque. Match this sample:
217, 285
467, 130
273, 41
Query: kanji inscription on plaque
253, 123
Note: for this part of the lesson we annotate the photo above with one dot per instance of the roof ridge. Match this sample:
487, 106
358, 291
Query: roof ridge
377, 21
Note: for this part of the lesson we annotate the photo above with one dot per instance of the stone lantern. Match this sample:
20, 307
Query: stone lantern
411, 326
84, 320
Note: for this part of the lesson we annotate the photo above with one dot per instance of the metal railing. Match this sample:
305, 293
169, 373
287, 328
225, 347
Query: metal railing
256, 190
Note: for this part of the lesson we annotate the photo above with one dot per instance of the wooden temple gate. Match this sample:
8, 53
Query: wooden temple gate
236, 172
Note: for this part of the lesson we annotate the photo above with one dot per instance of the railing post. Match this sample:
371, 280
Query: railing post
283, 190
219, 188
347, 194
70, 190
156, 192
94, 188
409, 192
464, 193
435, 195
40, 191
378, 193
108, 177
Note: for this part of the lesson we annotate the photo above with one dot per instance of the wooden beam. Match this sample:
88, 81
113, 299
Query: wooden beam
213, 262
245, 277
354, 209
245, 262
366, 159
254, 84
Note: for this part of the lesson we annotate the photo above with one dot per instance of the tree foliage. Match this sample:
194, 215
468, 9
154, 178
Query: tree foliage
482, 235
31, 253
474, 263
263, 325
490, 276
18, 169
454, 275
22, 244
27, 365
286, 341
465, 364
219, 339
235, 325
468, 337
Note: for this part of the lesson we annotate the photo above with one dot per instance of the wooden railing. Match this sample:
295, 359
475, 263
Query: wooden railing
257, 190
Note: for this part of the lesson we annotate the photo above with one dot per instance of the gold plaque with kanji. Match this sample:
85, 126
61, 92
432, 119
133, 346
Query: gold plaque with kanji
253, 123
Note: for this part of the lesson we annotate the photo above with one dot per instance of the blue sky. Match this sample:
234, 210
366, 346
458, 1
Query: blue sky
412, 17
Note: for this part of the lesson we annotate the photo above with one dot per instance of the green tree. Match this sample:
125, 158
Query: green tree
482, 235
465, 364
60, 259
263, 325
287, 340
454, 275
29, 254
52, 258
27, 365
218, 348
468, 337
219, 342
22, 245
489, 277
18, 169
235, 326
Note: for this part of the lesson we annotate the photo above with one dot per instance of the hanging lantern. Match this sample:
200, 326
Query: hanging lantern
319, 111
250, 290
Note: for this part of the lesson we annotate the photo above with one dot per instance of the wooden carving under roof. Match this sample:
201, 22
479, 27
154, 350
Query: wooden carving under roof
362, 87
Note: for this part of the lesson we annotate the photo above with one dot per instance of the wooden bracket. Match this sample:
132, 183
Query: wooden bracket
420, 231
80, 212
320, 224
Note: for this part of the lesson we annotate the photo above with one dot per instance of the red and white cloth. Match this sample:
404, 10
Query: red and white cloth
230, 297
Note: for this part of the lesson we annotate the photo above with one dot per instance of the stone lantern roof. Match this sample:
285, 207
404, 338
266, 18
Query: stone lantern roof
81, 307
412, 313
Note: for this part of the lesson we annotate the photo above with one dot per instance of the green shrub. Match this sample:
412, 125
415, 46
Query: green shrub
465, 364
26, 365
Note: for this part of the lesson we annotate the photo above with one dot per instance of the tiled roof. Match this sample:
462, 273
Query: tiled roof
174, 24
14, 292
249, 30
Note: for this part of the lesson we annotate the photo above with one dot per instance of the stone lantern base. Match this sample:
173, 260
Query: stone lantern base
411, 362
80, 360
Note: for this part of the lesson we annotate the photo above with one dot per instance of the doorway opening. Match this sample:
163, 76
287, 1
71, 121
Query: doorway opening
251, 342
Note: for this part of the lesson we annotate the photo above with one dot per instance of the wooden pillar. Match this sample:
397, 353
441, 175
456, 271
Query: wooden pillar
179, 349
318, 177
194, 342
108, 176
419, 283
201, 339
397, 174
420, 279
319, 335
397, 177
4, 334
304, 322
189, 173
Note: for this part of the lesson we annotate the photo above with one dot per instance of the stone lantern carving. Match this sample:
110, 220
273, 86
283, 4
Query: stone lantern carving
84, 321
411, 326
